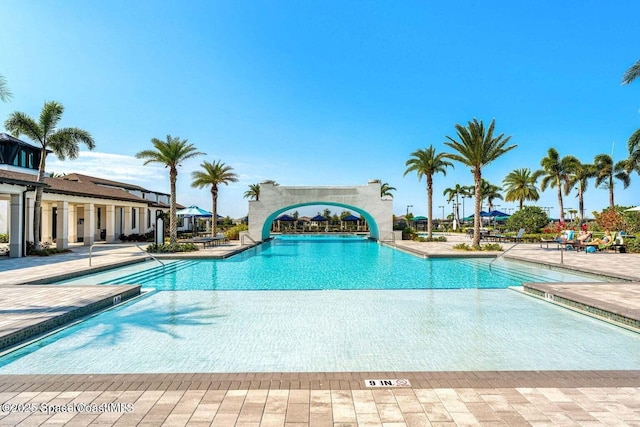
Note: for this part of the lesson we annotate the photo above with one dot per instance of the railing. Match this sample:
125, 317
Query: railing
119, 245
242, 237
502, 254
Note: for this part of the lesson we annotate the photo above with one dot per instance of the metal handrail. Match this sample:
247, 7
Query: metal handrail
500, 255
247, 236
137, 246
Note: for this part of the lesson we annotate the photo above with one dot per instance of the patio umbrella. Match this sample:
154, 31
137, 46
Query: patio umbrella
637, 208
497, 213
192, 212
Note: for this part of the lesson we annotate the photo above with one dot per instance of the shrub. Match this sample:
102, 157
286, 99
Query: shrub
485, 247
171, 248
4, 238
433, 239
234, 232
45, 249
408, 233
133, 238
531, 218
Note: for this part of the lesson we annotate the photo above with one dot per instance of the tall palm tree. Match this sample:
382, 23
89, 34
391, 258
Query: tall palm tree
63, 142
427, 163
633, 163
606, 171
170, 153
580, 175
386, 189
556, 172
253, 192
520, 186
213, 174
490, 192
5, 93
476, 147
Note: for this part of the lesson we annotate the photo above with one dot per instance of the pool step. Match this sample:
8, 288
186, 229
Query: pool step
145, 276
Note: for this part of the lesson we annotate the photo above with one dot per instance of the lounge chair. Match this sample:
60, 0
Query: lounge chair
602, 246
516, 238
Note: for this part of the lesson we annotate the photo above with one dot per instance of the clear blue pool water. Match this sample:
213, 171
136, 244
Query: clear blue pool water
314, 263
187, 327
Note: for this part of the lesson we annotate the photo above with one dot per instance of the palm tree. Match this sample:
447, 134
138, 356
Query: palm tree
580, 175
386, 189
214, 174
520, 186
455, 192
476, 147
170, 153
556, 173
427, 162
631, 74
633, 163
606, 171
63, 142
253, 192
5, 93
490, 192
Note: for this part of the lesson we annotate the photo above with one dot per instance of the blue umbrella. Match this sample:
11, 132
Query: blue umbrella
497, 213
351, 218
285, 217
193, 211
318, 218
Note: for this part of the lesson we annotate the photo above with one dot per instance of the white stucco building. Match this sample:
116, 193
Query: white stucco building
75, 207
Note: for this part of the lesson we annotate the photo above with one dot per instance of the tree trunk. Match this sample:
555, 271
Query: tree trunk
214, 211
429, 206
581, 205
611, 204
37, 206
173, 221
560, 201
477, 177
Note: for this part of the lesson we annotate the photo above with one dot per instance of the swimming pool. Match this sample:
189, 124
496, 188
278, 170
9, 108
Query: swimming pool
317, 263
205, 330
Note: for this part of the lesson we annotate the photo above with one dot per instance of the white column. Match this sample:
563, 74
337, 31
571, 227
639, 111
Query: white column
29, 219
73, 224
127, 221
46, 221
16, 216
110, 224
142, 220
89, 224
62, 225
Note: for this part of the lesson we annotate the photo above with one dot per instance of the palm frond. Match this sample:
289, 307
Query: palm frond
19, 123
5, 93
631, 74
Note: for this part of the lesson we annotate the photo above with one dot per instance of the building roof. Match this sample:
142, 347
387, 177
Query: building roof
71, 187
101, 181
17, 178
9, 138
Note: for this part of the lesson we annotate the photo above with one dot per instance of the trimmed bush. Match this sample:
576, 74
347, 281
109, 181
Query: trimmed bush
234, 232
172, 248
4, 238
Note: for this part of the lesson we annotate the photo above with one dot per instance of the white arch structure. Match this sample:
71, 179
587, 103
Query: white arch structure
364, 199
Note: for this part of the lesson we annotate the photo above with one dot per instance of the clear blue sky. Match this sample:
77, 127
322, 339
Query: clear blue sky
327, 92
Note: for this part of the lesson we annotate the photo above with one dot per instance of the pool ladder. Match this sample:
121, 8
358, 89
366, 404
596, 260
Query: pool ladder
136, 245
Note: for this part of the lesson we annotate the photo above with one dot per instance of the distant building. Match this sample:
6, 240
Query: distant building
75, 207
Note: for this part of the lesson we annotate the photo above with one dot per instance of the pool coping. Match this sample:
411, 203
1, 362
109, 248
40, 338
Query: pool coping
317, 380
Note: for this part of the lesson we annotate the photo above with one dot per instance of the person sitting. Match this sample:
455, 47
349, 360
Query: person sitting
597, 241
583, 237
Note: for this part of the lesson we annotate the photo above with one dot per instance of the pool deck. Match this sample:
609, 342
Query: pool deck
317, 399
